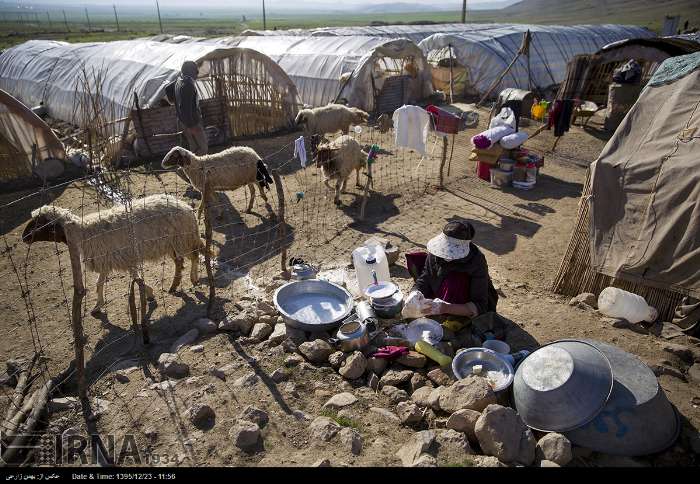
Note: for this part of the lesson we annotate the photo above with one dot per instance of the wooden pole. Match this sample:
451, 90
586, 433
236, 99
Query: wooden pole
48, 17
442, 162
365, 193
77, 319
524, 48
88, 20
116, 17
65, 21
264, 16
451, 78
464, 11
160, 22
281, 212
207, 251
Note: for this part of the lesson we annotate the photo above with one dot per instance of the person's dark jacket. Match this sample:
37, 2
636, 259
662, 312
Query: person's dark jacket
186, 103
481, 290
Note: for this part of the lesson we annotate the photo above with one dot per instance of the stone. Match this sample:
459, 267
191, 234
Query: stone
290, 388
440, 377
434, 398
289, 346
409, 413
279, 334
681, 351
316, 351
418, 443
341, 400
554, 447
279, 375
694, 373
261, 331
170, 367
242, 323
321, 463
586, 298
373, 381
267, 319
425, 460
452, 444
395, 377
352, 439
247, 380
64, 404
266, 308
201, 415
376, 365
245, 435
418, 381
421, 396
354, 366
197, 349
412, 359
472, 392
395, 395
502, 434
205, 326
293, 360
186, 339
255, 415
464, 421
324, 429
548, 463
665, 368
336, 359
385, 413
296, 336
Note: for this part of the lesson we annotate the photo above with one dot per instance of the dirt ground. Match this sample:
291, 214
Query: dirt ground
524, 235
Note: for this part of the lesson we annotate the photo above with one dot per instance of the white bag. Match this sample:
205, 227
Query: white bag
514, 140
505, 118
415, 306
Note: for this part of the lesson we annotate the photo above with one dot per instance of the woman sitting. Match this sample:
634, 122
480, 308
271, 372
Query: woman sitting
453, 278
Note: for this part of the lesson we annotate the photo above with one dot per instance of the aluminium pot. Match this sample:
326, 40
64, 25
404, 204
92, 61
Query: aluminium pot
352, 336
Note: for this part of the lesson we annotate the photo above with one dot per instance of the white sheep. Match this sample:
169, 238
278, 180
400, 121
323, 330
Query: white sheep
120, 240
229, 169
338, 159
330, 119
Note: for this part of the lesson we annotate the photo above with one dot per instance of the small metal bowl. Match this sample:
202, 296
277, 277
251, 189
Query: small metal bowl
562, 386
495, 369
313, 304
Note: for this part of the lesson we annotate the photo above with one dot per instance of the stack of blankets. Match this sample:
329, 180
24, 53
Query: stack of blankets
502, 130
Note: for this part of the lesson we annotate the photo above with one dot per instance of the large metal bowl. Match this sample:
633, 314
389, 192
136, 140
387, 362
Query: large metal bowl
562, 386
495, 369
637, 419
313, 304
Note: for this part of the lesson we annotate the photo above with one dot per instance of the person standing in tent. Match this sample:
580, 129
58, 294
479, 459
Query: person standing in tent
187, 108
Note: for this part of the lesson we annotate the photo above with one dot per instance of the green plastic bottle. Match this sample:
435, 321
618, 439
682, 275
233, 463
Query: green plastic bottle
431, 352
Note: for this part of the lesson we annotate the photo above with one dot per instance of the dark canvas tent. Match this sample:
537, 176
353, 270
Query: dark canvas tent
639, 217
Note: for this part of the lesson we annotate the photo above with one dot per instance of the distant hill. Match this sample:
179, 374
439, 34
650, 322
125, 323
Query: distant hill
648, 13
406, 7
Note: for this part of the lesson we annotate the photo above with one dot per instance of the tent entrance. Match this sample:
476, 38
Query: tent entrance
395, 82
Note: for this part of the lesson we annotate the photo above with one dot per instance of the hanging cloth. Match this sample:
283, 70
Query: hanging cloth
300, 150
411, 124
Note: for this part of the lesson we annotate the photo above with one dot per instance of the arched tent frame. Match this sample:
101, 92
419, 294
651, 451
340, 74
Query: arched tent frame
49, 72
25, 139
486, 53
325, 69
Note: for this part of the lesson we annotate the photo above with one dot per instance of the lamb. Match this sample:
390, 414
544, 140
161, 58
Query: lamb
229, 169
330, 119
338, 159
117, 240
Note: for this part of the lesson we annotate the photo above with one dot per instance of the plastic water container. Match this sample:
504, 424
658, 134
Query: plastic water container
616, 303
367, 259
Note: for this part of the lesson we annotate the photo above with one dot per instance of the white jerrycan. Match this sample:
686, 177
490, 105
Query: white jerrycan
369, 259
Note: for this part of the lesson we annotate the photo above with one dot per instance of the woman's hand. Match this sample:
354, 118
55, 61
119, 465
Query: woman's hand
438, 306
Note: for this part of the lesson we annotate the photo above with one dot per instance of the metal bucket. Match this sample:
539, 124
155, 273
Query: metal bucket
637, 419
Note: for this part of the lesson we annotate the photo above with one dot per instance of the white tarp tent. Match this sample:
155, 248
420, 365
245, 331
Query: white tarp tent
50, 72
320, 66
486, 54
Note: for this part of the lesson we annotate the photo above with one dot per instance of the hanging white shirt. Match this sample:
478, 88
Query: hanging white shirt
411, 124
300, 150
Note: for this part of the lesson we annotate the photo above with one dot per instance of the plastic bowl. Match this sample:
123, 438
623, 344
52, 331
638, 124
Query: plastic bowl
637, 419
498, 346
498, 371
562, 386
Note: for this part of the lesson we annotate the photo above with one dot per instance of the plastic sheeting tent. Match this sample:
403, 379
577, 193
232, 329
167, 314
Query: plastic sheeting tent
320, 66
486, 54
24, 139
51, 72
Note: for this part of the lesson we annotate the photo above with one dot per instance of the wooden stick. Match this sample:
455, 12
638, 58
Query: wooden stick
20, 390
77, 319
207, 250
365, 193
281, 212
442, 162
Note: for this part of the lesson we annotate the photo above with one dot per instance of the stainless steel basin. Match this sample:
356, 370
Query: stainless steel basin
313, 304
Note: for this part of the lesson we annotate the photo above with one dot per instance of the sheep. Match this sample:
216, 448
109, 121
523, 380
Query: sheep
117, 240
229, 169
338, 159
329, 119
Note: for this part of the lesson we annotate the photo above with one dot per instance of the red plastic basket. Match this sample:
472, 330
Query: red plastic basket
444, 121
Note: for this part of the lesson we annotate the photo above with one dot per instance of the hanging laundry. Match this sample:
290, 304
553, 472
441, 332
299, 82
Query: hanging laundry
300, 150
560, 116
411, 124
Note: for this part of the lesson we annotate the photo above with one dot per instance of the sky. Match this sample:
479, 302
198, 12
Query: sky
245, 3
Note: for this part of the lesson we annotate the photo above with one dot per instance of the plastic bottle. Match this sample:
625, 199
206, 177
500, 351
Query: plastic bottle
531, 173
616, 303
368, 259
425, 348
